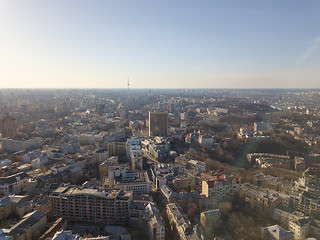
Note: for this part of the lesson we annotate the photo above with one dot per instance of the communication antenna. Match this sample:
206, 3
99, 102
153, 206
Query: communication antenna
128, 85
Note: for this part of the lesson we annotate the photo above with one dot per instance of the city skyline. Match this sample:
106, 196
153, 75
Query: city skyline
77, 44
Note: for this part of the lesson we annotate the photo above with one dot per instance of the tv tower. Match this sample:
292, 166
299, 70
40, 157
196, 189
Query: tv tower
128, 85
128, 89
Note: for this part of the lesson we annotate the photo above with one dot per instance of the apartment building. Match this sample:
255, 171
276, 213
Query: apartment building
133, 146
300, 228
179, 220
16, 145
137, 182
305, 198
91, 205
156, 228
133, 153
161, 174
104, 166
30, 226
13, 184
184, 199
285, 215
220, 189
186, 182
264, 200
210, 218
276, 232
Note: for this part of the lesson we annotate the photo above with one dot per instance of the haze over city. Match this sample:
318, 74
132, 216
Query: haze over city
160, 44
159, 120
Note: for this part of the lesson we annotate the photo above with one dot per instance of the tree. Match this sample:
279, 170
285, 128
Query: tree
225, 207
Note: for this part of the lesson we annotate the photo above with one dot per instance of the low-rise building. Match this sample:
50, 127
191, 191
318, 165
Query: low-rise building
300, 228
13, 184
276, 232
156, 228
181, 183
184, 199
264, 200
68, 235
210, 218
221, 189
285, 215
104, 166
305, 198
30, 226
137, 182
16, 145
179, 220
39, 161
161, 174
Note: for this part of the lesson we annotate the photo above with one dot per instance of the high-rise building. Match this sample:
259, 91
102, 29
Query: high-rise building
158, 124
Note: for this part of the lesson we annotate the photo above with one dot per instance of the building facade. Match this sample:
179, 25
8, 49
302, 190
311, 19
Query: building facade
158, 124
91, 205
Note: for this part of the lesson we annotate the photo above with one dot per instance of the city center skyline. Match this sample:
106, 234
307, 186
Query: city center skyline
167, 44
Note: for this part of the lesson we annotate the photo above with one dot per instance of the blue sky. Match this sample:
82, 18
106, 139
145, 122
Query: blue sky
160, 44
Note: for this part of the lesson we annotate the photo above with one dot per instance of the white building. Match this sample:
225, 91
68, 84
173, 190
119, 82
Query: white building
39, 161
14, 145
13, 184
300, 228
285, 214
137, 182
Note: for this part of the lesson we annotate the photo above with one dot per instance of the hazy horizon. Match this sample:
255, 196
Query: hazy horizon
160, 45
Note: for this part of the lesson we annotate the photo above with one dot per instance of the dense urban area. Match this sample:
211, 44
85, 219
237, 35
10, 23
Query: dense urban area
159, 164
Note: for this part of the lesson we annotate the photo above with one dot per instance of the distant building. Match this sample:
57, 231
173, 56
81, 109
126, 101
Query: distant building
8, 127
5, 162
15, 145
39, 161
116, 148
133, 153
261, 127
158, 124
266, 160
101, 155
299, 164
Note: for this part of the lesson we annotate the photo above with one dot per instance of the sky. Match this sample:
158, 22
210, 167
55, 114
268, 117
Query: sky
160, 44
